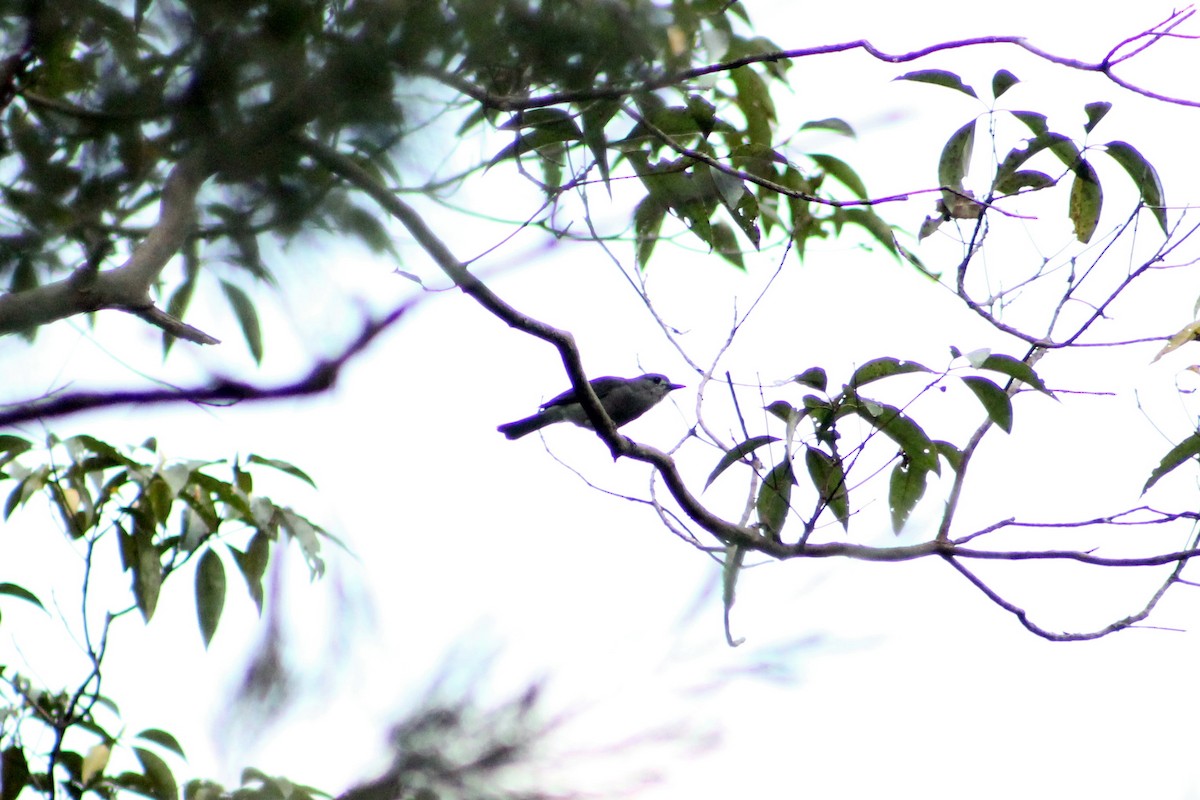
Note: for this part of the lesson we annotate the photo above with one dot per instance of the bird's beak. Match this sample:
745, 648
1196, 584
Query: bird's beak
673, 386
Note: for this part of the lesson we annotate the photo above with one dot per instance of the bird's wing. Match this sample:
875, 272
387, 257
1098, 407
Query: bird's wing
601, 386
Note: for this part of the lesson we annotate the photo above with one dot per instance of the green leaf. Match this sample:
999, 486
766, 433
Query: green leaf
1086, 201
210, 594
1014, 368
994, 399
774, 498
1186, 450
906, 489
647, 221
883, 368
11, 447
1013, 182
1002, 81
243, 308
14, 772
724, 244
842, 171
596, 117
831, 124
939, 77
813, 377
253, 565
737, 454
1144, 177
949, 452
162, 739
902, 430
162, 782
955, 160
21, 593
1095, 112
830, 482
282, 466
873, 223
147, 578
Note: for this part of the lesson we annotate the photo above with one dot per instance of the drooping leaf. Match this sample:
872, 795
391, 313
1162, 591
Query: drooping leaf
282, 466
147, 578
882, 368
1144, 176
247, 316
843, 172
939, 77
647, 221
253, 565
595, 118
736, 454
1002, 81
21, 593
907, 487
1095, 112
994, 399
162, 782
162, 739
949, 452
1086, 201
731, 567
830, 482
1014, 368
1186, 450
774, 498
955, 161
210, 594
873, 224
725, 244
912, 439
1189, 333
14, 772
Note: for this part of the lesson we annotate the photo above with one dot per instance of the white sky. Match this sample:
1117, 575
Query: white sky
904, 680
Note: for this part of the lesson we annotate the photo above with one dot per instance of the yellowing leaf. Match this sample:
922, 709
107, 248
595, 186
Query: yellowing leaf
94, 763
1190, 333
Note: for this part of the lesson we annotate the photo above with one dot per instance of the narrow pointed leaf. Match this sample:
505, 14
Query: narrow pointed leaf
20, 592
243, 308
1144, 177
1186, 450
282, 466
906, 489
994, 399
956, 157
939, 77
842, 171
912, 439
737, 454
1086, 201
775, 497
830, 482
831, 124
210, 594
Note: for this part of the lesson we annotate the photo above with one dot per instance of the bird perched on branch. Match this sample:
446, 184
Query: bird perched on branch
623, 399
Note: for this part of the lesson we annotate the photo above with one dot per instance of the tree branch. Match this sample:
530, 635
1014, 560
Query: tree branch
127, 287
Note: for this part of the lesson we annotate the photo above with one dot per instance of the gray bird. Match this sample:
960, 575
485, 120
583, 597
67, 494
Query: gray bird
624, 400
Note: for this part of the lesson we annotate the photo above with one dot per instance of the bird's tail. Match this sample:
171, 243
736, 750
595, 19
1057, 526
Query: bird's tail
524, 427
